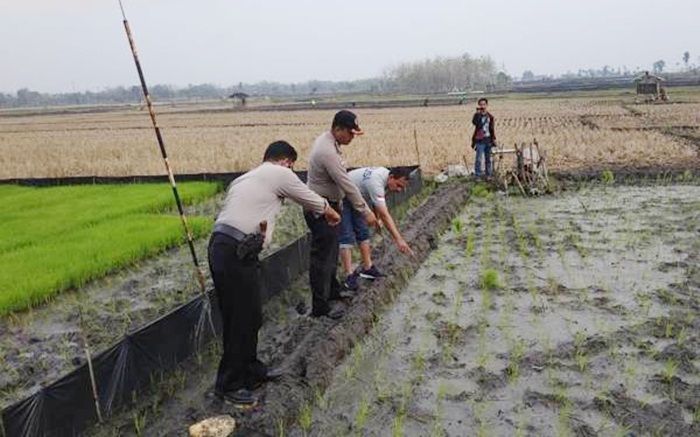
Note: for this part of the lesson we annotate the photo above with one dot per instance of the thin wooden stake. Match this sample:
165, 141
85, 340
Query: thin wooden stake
88, 356
415, 140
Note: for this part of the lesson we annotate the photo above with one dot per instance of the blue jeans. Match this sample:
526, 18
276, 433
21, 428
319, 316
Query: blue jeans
353, 227
483, 149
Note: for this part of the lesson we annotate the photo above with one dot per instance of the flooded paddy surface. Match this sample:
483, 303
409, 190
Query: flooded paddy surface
574, 314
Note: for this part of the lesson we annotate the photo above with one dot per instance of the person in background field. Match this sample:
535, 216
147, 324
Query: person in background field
372, 182
244, 225
328, 177
484, 137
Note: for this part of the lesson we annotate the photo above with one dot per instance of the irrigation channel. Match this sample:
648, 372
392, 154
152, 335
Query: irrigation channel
570, 314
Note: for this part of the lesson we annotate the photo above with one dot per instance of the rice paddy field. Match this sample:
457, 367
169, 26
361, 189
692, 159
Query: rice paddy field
53, 239
581, 131
574, 313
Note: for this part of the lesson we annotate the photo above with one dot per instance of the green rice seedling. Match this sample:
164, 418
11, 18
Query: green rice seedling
644, 302
418, 362
139, 421
305, 418
457, 225
321, 399
469, 249
479, 409
667, 296
681, 336
696, 415
486, 299
398, 425
631, 373
669, 371
363, 412
457, 304
489, 280
482, 347
437, 429
563, 425
281, 428
623, 431
668, 328
580, 355
607, 177
517, 351
355, 361
481, 191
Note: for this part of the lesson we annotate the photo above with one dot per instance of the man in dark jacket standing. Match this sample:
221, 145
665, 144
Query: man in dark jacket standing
484, 137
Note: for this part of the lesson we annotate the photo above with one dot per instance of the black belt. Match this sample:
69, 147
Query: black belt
229, 231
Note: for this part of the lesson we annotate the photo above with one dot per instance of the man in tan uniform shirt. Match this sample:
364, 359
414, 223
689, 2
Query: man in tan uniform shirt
329, 178
238, 237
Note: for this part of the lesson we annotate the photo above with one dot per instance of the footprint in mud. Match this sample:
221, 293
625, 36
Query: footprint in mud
661, 418
487, 381
451, 333
687, 395
667, 267
437, 278
439, 298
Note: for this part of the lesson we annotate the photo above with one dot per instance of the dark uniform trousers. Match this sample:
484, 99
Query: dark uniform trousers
237, 284
324, 262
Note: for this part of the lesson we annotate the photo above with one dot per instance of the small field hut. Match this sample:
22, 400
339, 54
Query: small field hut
243, 97
649, 86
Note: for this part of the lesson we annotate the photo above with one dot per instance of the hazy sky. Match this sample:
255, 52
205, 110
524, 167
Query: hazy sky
66, 45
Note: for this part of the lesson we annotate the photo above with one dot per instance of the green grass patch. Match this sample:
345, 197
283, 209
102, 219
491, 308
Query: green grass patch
489, 280
57, 238
481, 190
607, 177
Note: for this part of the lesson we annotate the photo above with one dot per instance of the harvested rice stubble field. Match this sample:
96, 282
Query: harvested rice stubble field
572, 315
590, 131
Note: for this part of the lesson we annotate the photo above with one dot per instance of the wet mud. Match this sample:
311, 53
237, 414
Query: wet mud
574, 314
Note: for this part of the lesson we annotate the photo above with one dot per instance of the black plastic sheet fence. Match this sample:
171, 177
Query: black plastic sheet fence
67, 407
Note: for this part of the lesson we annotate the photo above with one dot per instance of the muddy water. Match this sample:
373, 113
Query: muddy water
568, 315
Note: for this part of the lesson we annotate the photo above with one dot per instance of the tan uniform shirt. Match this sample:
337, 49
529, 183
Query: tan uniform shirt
328, 176
257, 196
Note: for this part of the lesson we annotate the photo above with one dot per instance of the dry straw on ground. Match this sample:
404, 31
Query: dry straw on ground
575, 132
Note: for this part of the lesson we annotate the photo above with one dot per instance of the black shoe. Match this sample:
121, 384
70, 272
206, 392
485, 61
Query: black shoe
241, 398
351, 282
372, 273
335, 314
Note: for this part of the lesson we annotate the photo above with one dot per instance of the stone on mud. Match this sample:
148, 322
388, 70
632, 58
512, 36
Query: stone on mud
219, 426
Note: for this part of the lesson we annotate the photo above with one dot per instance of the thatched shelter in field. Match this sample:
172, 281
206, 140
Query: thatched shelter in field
649, 86
240, 96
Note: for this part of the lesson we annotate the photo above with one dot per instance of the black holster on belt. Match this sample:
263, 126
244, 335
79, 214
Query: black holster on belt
250, 247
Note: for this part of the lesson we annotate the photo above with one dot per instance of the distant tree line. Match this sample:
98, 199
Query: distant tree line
607, 71
429, 76
446, 74
437, 75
